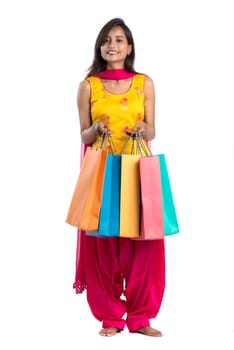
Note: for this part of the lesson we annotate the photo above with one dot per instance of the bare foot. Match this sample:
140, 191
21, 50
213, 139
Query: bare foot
109, 332
149, 331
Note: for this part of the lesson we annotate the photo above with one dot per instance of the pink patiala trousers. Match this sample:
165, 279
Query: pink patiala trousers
124, 279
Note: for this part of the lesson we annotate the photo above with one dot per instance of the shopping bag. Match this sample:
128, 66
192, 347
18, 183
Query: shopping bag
89, 219
129, 196
158, 214
169, 212
88, 177
152, 225
110, 206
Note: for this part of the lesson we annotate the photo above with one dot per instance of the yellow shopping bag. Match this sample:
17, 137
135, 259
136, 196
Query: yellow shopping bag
130, 196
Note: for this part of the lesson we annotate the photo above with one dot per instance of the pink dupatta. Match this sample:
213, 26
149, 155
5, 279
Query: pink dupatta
115, 74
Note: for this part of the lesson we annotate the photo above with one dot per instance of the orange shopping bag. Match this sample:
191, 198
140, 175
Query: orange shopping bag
85, 204
90, 215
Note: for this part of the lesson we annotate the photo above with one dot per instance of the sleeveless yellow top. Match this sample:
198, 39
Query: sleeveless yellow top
118, 111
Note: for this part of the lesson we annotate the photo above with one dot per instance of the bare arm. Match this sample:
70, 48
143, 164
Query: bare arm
147, 127
88, 130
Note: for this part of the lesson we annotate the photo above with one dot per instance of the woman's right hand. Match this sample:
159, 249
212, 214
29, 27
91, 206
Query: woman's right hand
100, 127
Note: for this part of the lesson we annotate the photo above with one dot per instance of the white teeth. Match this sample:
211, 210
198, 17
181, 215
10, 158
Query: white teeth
112, 52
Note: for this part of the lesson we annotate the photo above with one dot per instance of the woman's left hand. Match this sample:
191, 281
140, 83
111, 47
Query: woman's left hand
140, 127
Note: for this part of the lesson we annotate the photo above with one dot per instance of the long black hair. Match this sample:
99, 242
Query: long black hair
99, 64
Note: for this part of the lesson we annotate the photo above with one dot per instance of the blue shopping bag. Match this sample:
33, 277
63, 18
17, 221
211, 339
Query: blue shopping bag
110, 206
169, 212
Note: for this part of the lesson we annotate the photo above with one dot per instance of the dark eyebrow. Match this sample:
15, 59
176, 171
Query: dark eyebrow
117, 36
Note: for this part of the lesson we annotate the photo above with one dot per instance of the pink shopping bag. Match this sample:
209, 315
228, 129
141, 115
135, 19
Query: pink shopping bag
151, 199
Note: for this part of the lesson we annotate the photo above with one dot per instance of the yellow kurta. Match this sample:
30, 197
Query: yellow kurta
118, 111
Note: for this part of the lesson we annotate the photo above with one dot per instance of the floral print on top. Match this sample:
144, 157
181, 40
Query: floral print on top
118, 111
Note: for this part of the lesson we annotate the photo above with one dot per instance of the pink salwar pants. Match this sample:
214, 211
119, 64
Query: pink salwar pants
124, 278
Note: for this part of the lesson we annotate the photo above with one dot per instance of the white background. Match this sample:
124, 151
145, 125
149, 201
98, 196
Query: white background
46, 46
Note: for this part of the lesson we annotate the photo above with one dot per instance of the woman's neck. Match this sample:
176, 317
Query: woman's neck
114, 66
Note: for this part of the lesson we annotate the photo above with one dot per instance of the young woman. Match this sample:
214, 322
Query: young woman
124, 278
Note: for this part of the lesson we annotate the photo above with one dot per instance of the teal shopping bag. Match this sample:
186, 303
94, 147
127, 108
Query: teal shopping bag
110, 206
169, 212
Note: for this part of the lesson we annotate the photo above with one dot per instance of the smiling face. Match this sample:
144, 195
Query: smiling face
115, 48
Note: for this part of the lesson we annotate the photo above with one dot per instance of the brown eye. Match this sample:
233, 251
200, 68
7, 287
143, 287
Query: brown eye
104, 41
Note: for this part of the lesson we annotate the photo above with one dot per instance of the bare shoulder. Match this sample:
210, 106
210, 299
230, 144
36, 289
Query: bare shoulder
149, 86
84, 86
84, 90
149, 83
